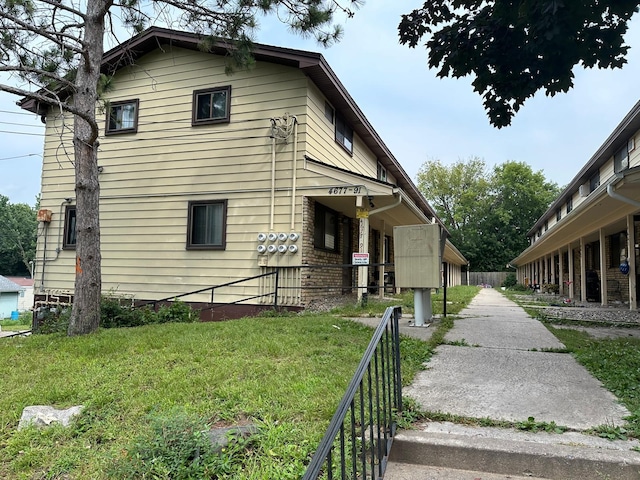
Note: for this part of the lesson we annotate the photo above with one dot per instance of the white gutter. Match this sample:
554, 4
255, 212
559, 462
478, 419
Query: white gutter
612, 193
393, 205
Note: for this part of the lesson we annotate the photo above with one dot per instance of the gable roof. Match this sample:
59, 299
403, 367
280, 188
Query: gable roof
312, 64
7, 286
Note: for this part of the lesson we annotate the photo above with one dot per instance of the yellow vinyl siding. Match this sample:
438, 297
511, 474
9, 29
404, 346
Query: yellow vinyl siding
150, 176
322, 146
634, 155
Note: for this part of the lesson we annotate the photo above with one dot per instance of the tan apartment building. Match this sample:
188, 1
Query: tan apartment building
209, 178
587, 242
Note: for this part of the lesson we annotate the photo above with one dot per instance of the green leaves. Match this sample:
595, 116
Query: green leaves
514, 50
18, 230
487, 213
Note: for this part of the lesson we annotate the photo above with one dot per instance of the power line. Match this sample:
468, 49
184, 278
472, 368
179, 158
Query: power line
22, 124
21, 156
21, 133
17, 113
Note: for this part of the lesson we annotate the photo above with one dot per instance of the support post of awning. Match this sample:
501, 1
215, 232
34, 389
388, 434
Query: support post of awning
363, 247
632, 256
583, 271
603, 269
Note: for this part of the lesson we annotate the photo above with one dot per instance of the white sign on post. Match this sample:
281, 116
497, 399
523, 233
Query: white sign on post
360, 258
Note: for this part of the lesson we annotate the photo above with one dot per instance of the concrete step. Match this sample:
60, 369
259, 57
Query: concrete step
479, 452
406, 471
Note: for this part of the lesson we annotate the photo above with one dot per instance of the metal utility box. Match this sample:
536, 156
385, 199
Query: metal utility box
417, 253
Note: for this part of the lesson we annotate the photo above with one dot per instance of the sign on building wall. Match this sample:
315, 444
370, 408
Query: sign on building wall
360, 258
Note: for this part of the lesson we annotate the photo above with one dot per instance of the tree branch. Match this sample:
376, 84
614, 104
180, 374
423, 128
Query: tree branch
38, 71
59, 4
52, 100
24, 26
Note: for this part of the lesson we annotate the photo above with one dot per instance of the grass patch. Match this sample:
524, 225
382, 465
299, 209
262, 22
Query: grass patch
22, 323
616, 363
457, 298
529, 425
286, 374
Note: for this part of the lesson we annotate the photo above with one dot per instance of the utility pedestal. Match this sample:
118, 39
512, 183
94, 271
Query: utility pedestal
418, 251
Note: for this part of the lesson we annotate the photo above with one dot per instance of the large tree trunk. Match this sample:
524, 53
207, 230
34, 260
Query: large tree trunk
85, 315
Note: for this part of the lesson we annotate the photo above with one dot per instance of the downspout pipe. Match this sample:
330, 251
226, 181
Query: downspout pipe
388, 207
294, 174
273, 183
613, 194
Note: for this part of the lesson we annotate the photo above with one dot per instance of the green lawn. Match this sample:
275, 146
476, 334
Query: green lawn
286, 374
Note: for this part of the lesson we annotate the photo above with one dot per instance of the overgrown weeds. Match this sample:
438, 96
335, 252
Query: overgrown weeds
117, 312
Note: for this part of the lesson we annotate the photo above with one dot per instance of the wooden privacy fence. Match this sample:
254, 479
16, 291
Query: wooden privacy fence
494, 279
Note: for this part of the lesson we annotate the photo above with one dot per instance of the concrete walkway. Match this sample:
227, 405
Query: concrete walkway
505, 366
504, 375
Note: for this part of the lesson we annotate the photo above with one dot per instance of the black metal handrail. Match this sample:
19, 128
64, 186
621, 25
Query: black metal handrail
358, 440
213, 288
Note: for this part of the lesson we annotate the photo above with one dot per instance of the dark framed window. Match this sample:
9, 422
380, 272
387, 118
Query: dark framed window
569, 204
558, 214
344, 134
122, 117
382, 172
326, 229
329, 112
594, 182
212, 105
546, 225
207, 225
621, 158
69, 239
618, 243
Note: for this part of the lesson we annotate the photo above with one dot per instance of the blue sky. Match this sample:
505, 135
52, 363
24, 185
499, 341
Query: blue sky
418, 116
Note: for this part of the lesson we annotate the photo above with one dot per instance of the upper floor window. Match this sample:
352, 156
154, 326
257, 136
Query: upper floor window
621, 158
382, 172
569, 204
594, 182
329, 112
207, 225
326, 229
69, 239
558, 214
212, 105
344, 134
122, 117
546, 225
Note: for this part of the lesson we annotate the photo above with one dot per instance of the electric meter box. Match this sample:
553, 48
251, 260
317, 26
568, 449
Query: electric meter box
417, 251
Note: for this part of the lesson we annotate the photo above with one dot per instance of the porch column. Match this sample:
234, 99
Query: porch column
571, 275
363, 247
547, 266
603, 269
631, 258
553, 268
381, 262
561, 273
583, 272
541, 265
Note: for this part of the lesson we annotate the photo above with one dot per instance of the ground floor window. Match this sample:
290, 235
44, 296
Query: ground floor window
69, 239
326, 229
207, 225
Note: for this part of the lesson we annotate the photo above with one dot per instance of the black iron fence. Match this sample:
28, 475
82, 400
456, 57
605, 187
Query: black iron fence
358, 440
